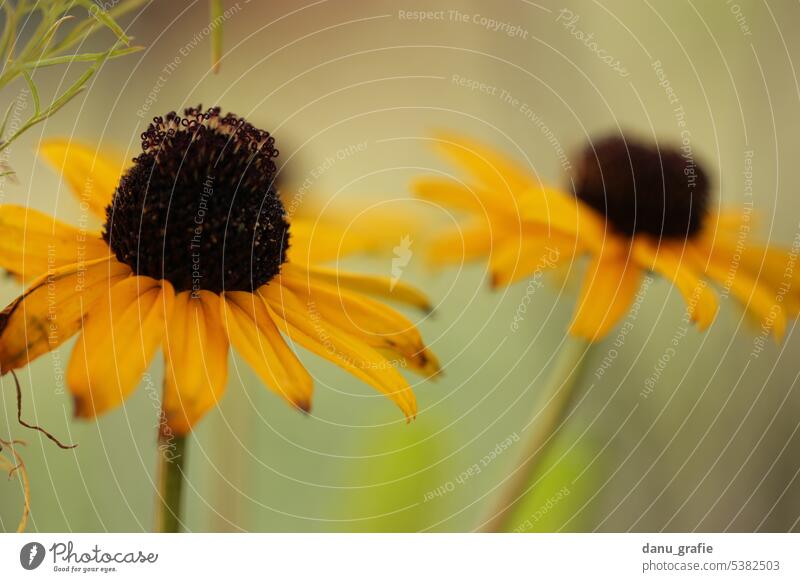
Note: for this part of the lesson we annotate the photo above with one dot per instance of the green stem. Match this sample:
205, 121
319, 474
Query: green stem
171, 460
217, 13
541, 434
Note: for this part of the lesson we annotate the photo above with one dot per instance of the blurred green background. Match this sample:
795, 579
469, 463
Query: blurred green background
714, 447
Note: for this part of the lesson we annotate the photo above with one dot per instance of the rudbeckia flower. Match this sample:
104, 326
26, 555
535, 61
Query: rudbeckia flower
196, 255
635, 209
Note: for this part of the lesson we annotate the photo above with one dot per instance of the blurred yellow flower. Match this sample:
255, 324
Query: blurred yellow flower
636, 209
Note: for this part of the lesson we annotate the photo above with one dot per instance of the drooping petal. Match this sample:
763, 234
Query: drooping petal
52, 309
376, 324
348, 229
451, 194
557, 212
532, 254
758, 299
609, 288
303, 324
727, 224
497, 173
317, 243
92, 174
377, 286
196, 357
33, 243
120, 337
253, 333
775, 269
470, 242
667, 260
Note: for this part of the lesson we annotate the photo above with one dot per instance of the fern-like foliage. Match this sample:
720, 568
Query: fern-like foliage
45, 33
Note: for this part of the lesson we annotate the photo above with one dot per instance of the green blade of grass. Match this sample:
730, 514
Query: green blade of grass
90, 25
37, 106
80, 58
97, 12
9, 32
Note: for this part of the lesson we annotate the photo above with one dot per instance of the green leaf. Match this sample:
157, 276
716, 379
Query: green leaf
48, 36
96, 11
6, 117
37, 108
9, 31
81, 58
88, 26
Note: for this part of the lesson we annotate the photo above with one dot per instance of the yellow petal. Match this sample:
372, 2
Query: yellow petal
196, 357
667, 260
350, 229
776, 269
377, 286
728, 224
120, 335
91, 174
254, 335
33, 243
52, 309
451, 194
471, 242
556, 212
532, 254
498, 174
757, 298
303, 324
376, 324
316, 243
609, 288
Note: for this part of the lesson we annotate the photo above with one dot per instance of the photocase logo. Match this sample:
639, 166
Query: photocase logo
31, 555
402, 255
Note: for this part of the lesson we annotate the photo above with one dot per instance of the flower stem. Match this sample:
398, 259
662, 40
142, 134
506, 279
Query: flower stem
541, 434
171, 459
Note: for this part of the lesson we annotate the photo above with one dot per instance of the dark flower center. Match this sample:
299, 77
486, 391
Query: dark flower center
642, 189
199, 207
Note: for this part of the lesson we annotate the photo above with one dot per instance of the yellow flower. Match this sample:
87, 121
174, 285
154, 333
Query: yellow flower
195, 256
637, 209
